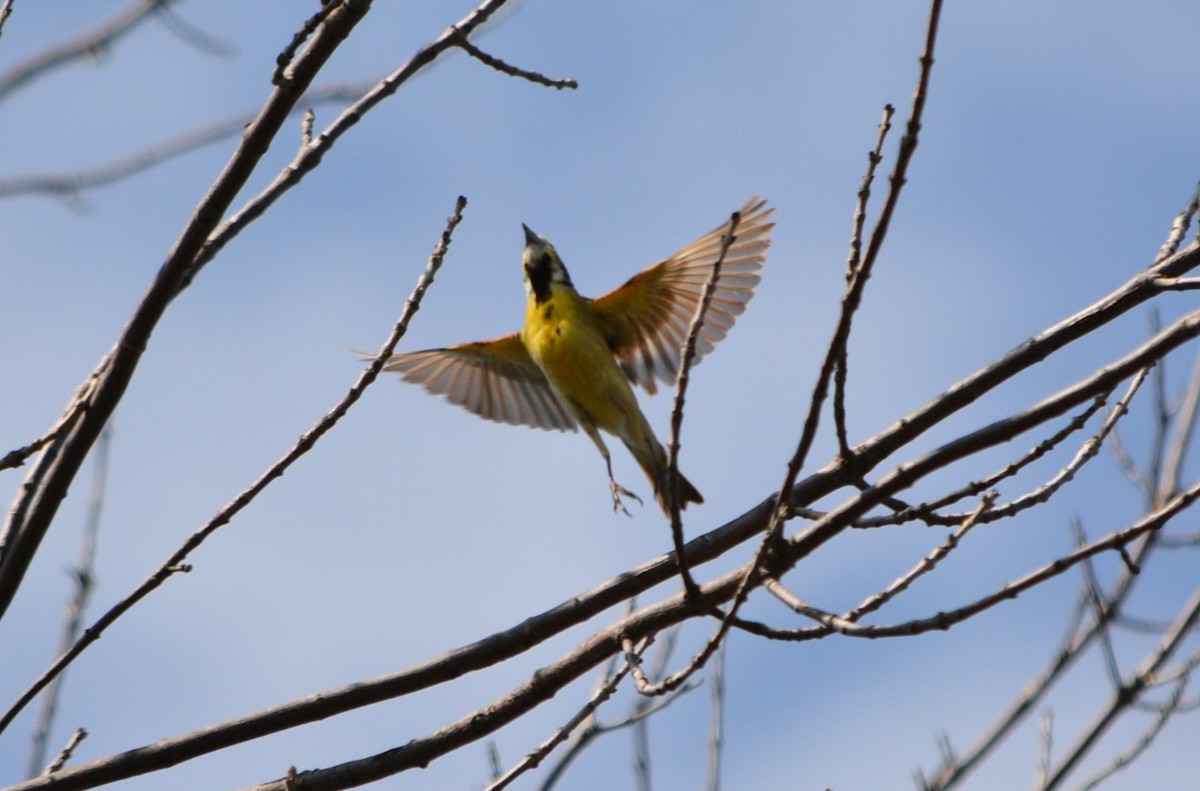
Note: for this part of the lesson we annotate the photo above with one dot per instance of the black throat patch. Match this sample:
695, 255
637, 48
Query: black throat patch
541, 275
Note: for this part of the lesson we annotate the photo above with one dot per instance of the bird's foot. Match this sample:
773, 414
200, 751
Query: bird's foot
618, 490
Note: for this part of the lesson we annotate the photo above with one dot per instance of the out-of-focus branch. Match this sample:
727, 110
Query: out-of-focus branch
72, 184
588, 711
1129, 692
84, 575
88, 45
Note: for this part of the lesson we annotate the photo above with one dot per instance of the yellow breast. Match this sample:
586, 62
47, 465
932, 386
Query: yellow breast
565, 341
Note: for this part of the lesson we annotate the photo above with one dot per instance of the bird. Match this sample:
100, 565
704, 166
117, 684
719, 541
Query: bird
574, 363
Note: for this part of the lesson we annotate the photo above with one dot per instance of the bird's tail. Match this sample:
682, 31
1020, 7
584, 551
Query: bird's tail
653, 461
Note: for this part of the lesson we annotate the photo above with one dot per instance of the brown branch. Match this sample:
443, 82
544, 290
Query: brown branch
306, 442
57, 470
517, 639
285, 58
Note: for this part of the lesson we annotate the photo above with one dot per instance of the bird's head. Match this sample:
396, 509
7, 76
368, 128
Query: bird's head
542, 266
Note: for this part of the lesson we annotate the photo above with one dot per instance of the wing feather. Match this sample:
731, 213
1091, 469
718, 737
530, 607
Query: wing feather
645, 321
496, 380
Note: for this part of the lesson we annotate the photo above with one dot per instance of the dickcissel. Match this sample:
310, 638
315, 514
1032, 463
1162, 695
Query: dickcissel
572, 364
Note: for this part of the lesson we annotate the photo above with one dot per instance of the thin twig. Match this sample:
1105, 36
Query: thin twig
856, 286
510, 70
1124, 759
636, 718
688, 356
66, 752
853, 262
928, 512
945, 619
17, 457
1179, 227
310, 156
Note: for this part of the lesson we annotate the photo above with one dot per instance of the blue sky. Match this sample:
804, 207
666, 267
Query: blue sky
1058, 145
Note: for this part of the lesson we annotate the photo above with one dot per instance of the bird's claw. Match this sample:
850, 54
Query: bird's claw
618, 490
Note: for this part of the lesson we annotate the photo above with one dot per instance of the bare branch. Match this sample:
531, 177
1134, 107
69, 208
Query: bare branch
510, 70
1100, 606
306, 442
1127, 757
853, 262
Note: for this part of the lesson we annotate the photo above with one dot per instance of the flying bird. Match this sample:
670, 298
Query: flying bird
573, 363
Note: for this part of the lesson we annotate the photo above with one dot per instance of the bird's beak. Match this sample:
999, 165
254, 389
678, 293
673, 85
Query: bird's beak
531, 238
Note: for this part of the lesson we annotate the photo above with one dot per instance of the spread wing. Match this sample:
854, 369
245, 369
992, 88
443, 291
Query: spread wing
646, 320
495, 379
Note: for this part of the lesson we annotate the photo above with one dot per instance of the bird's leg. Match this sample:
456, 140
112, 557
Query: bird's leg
618, 490
615, 488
